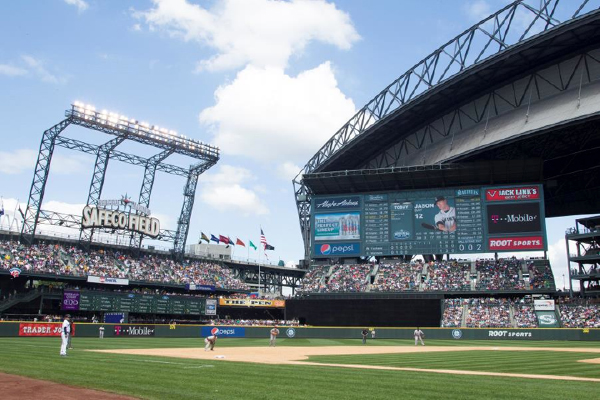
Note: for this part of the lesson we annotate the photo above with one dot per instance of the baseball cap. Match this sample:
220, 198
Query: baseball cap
68, 316
438, 198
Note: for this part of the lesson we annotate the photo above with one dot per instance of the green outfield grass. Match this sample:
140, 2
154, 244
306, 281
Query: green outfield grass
171, 378
518, 362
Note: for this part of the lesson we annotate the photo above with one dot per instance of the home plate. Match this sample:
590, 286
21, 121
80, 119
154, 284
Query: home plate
219, 356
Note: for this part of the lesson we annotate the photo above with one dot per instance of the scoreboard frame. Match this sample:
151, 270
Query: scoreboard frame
456, 220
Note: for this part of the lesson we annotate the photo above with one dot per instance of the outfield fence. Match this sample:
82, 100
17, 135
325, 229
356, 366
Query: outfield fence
33, 329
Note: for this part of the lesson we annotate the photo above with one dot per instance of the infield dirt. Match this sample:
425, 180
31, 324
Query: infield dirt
298, 355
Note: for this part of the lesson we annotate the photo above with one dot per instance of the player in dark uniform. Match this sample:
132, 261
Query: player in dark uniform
365, 333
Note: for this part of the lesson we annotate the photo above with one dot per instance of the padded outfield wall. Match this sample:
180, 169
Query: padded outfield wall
31, 329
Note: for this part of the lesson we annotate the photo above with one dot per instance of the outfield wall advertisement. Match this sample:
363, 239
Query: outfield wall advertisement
16, 329
437, 221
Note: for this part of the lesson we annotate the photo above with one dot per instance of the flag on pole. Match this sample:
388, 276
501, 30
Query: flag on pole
230, 241
21, 211
204, 237
252, 245
223, 239
213, 238
240, 243
263, 238
269, 247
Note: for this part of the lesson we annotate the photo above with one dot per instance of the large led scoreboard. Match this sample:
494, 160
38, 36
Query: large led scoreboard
441, 221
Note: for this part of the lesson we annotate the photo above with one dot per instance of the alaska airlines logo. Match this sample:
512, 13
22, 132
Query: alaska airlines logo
350, 202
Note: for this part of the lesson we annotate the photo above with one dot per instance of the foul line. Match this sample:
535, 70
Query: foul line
451, 371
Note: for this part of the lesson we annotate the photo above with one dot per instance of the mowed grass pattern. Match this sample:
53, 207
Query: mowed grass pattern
172, 378
518, 362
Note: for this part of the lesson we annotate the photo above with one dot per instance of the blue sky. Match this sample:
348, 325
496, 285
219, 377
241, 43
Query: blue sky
269, 82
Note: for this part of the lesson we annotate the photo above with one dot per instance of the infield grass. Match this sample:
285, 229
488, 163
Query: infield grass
174, 378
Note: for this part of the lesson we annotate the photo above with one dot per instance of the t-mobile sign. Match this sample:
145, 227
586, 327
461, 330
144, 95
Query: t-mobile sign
70, 300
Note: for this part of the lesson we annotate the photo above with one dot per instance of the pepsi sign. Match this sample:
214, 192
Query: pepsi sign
223, 331
337, 249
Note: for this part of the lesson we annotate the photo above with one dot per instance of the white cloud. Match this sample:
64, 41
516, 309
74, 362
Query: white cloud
38, 68
23, 160
224, 191
268, 115
256, 32
10, 70
288, 170
80, 4
478, 9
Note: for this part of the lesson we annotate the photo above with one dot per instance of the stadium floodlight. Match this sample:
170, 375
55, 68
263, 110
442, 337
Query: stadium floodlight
118, 124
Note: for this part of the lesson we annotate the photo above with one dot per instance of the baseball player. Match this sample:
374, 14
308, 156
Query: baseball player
419, 335
274, 333
101, 332
365, 334
373, 333
64, 335
69, 343
209, 342
445, 220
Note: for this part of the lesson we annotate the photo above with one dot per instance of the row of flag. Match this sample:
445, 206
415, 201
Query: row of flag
230, 242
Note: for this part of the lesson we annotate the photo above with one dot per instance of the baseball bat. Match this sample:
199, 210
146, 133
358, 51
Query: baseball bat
428, 226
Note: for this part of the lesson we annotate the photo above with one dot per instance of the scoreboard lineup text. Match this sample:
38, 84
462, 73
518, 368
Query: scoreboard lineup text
438, 221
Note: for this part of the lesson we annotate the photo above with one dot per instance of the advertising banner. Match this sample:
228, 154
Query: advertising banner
517, 243
543, 305
514, 218
70, 300
193, 286
134, 330
211, 307
547, 319
337, 249
338, 203
337, 226
107, 281
251, 303
42, 329
513, 193
223, 331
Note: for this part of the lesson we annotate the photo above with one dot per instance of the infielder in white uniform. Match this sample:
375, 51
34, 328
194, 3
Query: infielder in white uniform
64, 335
373, 333
101, 332
419, 335
274, 333
209, 342
445, 220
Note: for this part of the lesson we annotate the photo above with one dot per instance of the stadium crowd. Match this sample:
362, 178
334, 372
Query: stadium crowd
488, 313
453, 313
447, 277
443, 276
499, 275
580, 314
398, 277
69, 260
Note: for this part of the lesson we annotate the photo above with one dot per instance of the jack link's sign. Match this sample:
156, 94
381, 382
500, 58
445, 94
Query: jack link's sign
101, 218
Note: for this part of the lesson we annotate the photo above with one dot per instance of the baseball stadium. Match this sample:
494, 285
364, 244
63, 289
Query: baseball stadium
425, 273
